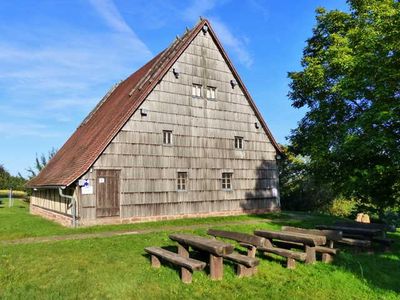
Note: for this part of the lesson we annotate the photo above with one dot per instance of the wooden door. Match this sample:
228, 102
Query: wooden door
107, 193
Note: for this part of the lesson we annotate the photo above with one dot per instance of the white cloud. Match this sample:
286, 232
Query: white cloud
12, 129
110, 14
234, 42
198, 8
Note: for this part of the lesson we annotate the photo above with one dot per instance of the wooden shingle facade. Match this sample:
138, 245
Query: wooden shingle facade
195, 145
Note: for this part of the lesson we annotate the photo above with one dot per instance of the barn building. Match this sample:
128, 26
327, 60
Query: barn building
180, 137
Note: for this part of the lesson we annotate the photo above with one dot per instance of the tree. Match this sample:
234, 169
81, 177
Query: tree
8, 181
350, 83
300, 188
40, 162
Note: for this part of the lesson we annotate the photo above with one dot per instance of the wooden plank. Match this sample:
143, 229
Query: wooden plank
300, 256
238, 236
352, 230
354, 242
176, 259
306, 239
243, 260
212, 246
332, 235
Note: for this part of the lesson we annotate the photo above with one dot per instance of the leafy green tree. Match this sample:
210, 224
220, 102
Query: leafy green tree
8, 181
350, 83
40, 162
300, 188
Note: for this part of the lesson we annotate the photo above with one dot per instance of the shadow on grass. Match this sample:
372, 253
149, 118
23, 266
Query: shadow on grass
380, 269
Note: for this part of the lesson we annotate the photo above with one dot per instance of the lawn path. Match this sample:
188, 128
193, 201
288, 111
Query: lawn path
82, 236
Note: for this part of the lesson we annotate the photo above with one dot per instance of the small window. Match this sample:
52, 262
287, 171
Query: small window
211, 92
182, 181
238, 142
167, 137
196, 90
226, 181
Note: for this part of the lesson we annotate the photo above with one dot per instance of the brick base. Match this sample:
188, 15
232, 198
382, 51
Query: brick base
118, 220
67, 220
51, 215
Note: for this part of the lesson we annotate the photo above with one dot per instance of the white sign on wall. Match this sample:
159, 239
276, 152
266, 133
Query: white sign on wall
87, 190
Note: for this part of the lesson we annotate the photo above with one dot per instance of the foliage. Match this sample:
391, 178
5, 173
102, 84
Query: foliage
342, 207
15, 194
8, 181
40, 162
300, 188
350, 83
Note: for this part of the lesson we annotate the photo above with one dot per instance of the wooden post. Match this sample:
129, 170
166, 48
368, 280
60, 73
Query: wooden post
186, 275
251, 251
243, 271
291, 263
10, 204
155, 262
330, 244
311, 255
327, 258
216, 267
183, 250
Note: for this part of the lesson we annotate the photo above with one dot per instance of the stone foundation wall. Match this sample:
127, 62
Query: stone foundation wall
118, 220
66, 221
62, 219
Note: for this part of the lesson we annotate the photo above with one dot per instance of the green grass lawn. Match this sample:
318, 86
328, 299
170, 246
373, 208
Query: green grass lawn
117, 267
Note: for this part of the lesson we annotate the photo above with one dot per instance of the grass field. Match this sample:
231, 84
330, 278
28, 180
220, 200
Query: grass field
117, 268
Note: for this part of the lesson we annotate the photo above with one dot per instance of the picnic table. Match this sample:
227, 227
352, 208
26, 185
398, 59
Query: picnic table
215, 248
368, 232
309, 241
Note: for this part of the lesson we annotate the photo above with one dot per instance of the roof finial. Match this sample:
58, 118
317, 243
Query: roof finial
187, 29
201, 18
177, 37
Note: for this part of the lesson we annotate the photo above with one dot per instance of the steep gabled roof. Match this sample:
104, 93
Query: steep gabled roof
91, 138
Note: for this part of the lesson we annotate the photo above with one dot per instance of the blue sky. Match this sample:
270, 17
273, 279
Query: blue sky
59, 57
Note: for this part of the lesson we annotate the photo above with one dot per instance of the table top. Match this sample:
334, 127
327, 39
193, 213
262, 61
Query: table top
350, 229
306, 239
212, 246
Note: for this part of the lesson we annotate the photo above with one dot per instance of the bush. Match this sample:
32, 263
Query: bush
342, 207
15, 194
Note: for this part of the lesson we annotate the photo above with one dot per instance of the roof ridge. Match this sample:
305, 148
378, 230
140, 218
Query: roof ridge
108, 94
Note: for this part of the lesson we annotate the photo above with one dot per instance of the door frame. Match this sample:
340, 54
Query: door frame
118, 194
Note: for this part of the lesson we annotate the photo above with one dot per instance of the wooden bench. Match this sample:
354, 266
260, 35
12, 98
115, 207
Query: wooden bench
310, 241
214, 248
327, 250
291, 256
253, 243
355, 242
188, 265
246, 265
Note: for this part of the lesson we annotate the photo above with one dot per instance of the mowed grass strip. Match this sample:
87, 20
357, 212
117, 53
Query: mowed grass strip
118, 268
17, 223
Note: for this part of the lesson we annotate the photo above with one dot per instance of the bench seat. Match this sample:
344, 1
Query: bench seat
246, 266
188, 265
355, 242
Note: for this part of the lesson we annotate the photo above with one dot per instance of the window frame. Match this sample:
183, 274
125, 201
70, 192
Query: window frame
226, 181
167, 137
196, 86
181, 181
239, 141
210, 89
